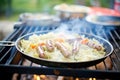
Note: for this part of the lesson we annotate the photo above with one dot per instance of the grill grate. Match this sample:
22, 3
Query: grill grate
11, 61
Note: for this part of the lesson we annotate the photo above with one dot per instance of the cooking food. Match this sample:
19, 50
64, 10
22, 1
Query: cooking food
38, 19
71, 8
33, 16
66, 11
63, 47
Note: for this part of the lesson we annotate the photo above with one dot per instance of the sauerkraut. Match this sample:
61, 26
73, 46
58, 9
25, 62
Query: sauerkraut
86, 50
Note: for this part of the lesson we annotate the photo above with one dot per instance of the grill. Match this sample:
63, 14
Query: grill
11, 61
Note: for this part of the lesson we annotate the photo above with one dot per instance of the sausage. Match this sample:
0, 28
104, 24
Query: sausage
98, 47
95, 46
76, 47
49, 45
41, 52
74, 39
65, 52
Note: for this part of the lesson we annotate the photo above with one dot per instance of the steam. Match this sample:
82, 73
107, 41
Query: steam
74, 26
77, 26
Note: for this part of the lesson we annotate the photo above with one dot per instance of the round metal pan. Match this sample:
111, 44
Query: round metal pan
67, 11
104, 20
50, 63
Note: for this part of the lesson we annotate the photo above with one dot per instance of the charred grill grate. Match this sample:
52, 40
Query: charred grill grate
11, 61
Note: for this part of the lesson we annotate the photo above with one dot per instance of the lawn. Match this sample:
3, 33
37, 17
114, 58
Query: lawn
33, 6
39, 6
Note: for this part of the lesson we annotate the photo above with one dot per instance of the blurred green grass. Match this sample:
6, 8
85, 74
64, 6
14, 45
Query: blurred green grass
32, 6
38, 6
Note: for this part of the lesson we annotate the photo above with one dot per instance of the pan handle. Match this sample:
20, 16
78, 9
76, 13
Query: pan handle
7, 43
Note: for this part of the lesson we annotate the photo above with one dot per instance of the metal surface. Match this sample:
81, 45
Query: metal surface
52, 63
7, 43
104, 20
11, 60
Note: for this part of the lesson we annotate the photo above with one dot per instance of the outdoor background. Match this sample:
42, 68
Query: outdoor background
11, 9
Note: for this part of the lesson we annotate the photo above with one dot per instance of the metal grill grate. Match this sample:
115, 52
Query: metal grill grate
11, 61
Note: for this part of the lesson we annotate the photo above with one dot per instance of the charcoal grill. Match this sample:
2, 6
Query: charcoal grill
11, 60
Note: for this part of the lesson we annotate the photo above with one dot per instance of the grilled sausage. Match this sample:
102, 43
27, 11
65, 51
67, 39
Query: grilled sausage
65, 52
74, 39
98, 47
95, 46
75, 47
41, 52
49, 45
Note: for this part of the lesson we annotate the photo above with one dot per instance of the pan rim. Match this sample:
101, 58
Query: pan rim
47, 60
90, 18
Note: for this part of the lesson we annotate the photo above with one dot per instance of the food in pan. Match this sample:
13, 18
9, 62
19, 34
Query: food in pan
63, 47
71, 11
71, 8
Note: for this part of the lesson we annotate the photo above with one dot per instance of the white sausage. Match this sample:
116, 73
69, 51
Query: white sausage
95, 46
41, 52
63, 49
49, 45
75, 47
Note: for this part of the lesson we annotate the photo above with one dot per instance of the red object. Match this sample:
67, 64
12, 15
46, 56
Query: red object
104, 11
117, 5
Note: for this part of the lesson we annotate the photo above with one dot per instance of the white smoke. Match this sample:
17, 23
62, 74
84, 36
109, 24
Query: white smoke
77, 26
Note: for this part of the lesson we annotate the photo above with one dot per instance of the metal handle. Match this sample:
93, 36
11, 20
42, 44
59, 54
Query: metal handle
7, 43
